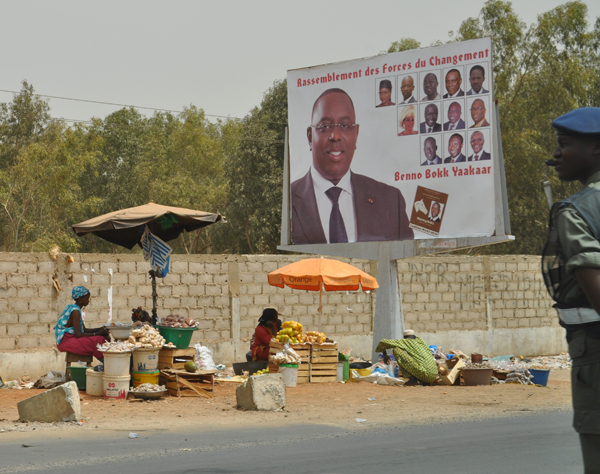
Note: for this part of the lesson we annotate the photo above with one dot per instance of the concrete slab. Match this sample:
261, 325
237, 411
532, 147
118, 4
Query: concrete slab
262, 392
57, 404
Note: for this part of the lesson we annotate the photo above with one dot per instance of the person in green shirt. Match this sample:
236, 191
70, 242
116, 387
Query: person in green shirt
413, 356
571, 268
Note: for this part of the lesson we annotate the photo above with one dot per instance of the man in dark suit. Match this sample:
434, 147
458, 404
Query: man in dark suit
453, 83
476, 78
455, 148
477, 142
435, 212
331, 204
430, 150
407, 88
454, 121
431, 115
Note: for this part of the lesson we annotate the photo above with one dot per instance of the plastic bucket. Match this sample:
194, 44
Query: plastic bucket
138, 378
181, 337
116, 364
540, 376
77, 374
93, 383
340, 371
145, 359
361, 372
473, 377
116, 388
289, 372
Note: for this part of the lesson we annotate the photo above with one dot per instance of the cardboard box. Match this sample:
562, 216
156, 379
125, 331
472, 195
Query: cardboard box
452, 377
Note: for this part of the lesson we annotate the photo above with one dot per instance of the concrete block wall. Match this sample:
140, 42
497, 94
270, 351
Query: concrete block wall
492, 304
465, 293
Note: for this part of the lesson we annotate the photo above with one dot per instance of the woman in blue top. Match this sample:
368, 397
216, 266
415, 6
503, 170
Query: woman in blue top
71, 333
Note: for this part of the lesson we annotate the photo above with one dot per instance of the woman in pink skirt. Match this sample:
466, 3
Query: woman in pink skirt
71, 333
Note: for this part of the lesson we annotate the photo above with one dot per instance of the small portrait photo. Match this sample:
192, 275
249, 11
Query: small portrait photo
430, 81
454, 110
407, 120
478, 146
430, 153
454, 148
435, 211
453, 82
478, 111
478, 83
409, 90
385, 92
431, 117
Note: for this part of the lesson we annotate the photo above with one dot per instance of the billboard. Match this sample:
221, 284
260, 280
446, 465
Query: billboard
394, 147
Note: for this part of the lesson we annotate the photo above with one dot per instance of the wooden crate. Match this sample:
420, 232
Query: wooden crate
175, 358
189, 384
303, 350
323, 363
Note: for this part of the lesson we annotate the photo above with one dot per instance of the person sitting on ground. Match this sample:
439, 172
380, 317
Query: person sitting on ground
71, 333
267, 328
413, 356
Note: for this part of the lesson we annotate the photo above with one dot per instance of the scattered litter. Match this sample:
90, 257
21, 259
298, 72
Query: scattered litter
221, 367
133, 435
371, 399
360, 420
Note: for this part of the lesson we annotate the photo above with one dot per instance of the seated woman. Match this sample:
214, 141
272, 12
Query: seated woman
71, 333
267, 328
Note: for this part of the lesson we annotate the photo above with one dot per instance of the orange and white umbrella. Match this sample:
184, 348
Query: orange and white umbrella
314, 274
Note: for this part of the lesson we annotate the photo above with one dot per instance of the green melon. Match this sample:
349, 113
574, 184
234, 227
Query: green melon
190, 366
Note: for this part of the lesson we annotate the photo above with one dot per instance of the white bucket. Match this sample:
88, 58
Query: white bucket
93, 383
340, 371
116, 364
116, 387
145, 359
289, 374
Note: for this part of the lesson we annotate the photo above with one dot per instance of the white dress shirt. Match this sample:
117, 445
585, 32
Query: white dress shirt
346, 202
407, 101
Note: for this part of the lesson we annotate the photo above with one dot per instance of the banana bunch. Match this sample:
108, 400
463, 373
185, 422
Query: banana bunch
262, 372
291, 332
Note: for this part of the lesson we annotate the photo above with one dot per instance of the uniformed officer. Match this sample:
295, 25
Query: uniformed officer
571, 268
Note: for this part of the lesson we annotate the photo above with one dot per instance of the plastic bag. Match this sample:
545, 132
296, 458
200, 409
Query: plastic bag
52, 379
204, 359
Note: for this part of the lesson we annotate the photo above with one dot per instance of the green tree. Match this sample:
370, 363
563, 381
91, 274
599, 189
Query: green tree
254, 169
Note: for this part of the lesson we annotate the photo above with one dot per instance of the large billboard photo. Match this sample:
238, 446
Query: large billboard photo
393, 147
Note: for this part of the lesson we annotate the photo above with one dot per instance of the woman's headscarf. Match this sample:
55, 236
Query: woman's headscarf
79, 291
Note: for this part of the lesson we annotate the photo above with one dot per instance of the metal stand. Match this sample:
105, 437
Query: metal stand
154, 297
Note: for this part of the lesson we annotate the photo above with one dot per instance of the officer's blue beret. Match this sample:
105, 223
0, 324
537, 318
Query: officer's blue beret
584, 121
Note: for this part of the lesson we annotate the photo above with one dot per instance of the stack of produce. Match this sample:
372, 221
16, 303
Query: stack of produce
176, 321
291, 332
262, 372
149, 387
314, 337
287, 356
115, 346
146, 336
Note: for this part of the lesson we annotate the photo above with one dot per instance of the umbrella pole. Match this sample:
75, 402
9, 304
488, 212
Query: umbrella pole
320, 305
154, 297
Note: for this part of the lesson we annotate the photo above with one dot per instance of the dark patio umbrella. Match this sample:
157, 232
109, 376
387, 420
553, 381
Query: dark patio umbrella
125, 227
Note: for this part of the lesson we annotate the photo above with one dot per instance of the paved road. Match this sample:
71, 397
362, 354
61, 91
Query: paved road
529, 444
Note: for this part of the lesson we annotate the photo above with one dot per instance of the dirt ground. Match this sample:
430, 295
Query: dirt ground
335, 404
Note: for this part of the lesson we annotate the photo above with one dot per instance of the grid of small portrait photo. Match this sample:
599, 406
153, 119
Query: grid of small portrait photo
385, 92
463, 109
